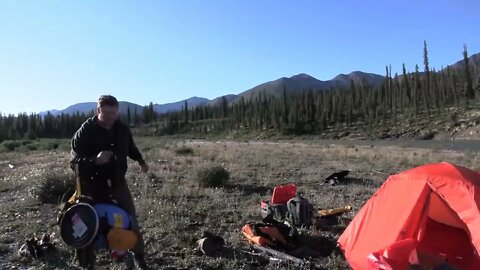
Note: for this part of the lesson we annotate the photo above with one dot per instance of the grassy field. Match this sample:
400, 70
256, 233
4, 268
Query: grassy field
174, 209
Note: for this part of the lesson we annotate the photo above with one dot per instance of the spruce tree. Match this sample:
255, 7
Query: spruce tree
469, 92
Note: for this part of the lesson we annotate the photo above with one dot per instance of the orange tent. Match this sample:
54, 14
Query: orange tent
424, 215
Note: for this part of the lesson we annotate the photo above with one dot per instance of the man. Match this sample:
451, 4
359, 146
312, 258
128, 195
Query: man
101, 147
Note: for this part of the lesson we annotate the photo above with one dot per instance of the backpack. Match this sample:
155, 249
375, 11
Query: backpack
274, 212
300, 212
270, 235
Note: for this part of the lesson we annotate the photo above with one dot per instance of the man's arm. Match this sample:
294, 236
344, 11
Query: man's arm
80, 153
133, 151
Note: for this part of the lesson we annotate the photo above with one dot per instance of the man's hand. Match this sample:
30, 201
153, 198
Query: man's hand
144, 168
103, 157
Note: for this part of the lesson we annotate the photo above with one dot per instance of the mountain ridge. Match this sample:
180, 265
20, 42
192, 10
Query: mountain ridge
296, 83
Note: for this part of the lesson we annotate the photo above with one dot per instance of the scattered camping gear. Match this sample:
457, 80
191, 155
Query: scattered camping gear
121, 239
286, 205
37, 248
107, 224
282, 215
332, 211
272, 235
209, 244
114, 230
336, 177
276, 212
281, 194
329, 219
276, 209
79, 223
263, 235
300, 212
281, 256
87, 226
79, 226
427, 212
114, 216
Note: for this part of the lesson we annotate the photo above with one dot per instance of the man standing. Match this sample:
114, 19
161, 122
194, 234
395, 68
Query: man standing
101, 147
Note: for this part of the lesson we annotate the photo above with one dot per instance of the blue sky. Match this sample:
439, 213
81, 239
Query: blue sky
57, 53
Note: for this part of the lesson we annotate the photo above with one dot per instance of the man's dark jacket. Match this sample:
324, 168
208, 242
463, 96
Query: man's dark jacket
90, 140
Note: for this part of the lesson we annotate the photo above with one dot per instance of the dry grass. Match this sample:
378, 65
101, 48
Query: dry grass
174, 210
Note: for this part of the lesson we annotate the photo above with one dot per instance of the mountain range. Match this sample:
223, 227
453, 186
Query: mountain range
296, 83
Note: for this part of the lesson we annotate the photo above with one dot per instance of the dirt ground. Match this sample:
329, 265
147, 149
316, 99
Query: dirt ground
174, 210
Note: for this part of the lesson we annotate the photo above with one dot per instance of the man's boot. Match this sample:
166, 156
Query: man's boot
86, 258
140, 262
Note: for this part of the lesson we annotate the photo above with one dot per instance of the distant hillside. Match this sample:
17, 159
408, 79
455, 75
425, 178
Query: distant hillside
391, 111
473, 59
358, 77
176, 106
87, 107
304, 82
218, 100
296, 83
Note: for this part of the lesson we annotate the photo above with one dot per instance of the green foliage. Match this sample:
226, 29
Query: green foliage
26, 142
32, 147
33, 126
31, 135
469, 92
184, 150
290, 112
10, 145
51, 187
212, 176
298, 112
53, 146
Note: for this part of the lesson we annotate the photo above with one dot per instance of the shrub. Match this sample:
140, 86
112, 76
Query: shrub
52, 145
10, 145
50, 188
184, 150
454, 118
212, 176
26, 142
31, 135
32, 147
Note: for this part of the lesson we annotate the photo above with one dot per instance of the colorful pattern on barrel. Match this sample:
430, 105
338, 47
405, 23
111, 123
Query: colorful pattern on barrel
116, 216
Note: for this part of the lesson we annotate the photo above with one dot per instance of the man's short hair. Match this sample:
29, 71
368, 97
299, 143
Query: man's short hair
107, 100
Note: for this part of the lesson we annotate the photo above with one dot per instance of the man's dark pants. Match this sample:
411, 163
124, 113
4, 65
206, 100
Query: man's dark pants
122, 194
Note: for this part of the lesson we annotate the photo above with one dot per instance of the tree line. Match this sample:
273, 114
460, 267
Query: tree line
421, 92
33, 126
416, 93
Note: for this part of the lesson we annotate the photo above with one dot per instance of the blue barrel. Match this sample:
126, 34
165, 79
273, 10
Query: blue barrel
115, 216
80, 225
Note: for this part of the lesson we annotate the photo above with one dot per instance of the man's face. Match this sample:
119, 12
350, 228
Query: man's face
108, 114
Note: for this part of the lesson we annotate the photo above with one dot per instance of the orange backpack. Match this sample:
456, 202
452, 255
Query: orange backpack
264, 235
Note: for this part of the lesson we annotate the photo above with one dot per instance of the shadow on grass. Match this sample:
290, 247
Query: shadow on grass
314, 247
354, 181
248, 189
254, 260
335, 223
311, 249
